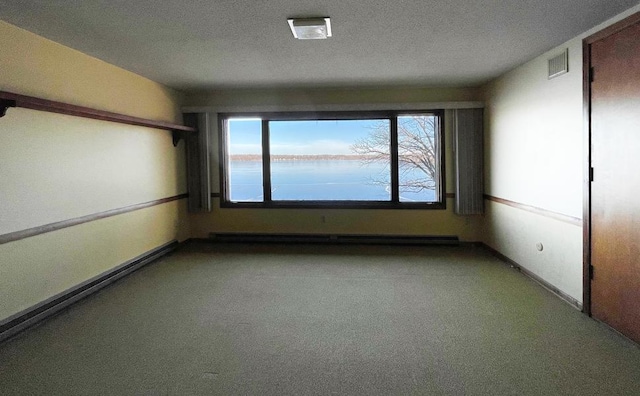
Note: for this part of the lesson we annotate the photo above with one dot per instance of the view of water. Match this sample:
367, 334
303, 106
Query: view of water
320, 180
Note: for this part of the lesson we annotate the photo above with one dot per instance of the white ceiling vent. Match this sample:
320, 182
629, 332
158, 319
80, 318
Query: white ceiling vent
559, 64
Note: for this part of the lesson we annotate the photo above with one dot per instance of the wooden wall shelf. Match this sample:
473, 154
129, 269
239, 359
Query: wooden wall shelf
9, 99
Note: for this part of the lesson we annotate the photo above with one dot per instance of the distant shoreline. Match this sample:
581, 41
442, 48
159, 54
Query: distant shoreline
318, 157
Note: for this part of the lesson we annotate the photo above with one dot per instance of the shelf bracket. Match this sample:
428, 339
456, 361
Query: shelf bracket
4, 105
177, 136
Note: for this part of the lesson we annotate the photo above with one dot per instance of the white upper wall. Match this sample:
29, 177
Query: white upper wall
534, 146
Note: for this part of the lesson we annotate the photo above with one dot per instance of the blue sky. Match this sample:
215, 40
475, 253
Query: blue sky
298, 137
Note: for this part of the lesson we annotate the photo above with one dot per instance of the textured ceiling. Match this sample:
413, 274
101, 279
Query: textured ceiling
198, 44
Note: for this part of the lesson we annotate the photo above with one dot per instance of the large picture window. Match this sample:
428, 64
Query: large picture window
380, 159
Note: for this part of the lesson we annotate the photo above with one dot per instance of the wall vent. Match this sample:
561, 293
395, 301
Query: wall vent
559, 64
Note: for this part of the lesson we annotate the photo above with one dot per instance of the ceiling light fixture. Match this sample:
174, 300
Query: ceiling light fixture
310, 28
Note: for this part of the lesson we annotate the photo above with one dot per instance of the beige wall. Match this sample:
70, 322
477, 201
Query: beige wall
534, 156
34, 66
337, 221
57, 167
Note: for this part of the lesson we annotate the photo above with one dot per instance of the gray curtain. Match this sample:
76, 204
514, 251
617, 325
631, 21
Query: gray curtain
468, 159
198, 162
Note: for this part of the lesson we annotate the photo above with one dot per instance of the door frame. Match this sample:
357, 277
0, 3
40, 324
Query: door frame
586, 90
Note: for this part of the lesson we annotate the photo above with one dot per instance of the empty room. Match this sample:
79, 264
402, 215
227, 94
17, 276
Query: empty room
297, 198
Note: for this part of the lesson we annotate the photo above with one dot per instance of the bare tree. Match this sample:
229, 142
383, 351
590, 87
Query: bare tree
417, 147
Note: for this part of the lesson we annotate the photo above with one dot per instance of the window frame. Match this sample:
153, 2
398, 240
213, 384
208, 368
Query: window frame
392, 116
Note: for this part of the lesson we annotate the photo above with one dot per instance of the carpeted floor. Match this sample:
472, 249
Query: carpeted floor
304, 320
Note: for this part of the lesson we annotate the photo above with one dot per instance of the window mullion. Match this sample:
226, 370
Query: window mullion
266, 162
395, 173
440, 192
223, 125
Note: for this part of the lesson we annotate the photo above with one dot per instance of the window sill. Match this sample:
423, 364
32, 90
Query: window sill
334, 205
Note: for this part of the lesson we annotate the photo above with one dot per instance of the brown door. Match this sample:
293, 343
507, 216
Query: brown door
615, 190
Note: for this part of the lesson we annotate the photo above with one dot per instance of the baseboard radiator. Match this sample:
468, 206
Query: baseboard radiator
334, 239
29, 317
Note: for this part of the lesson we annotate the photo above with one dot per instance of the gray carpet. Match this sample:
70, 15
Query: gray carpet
304, 320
